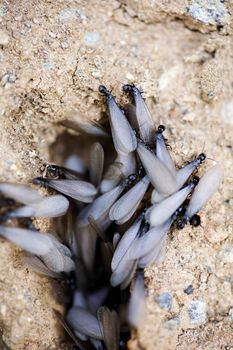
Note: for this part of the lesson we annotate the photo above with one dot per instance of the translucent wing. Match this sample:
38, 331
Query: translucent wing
128, 163
49, 207
96, 163
100, 207
163, 154
79, 190
155, 255
160, 176
110, 326
162, 211
144, 119
144, 244
31, 241
83, 321
126, 206
123, 136
207, 186
20, 193
125, 243
137, 307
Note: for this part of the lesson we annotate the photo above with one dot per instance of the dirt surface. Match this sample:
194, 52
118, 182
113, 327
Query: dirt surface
53, 57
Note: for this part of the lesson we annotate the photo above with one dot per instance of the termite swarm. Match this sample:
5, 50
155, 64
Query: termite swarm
113, 212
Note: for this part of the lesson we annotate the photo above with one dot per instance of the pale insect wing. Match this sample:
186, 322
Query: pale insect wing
143, 245
207, 186
120, 147
79, 299
122, 271
97, 344
31, 241
86, 239
98, 229
128, 163
81, 336
158, 173
156, 197
99, 209
144, 118
79, 190
162, 211
90, 128
37, 265
125, 243
163, 154
112, 177
75, 163
154, 255
78, 342
129, 202
137, 306
96, 163
184, 173
20, 193
130, 275
61, 247
127, 215
69, 264
84, 322
106, 253
116, 240
131, 114
55, 260
124, 138
110, 327
94, 128
52, 206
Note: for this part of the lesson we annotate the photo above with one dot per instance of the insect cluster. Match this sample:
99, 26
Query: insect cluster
112, 220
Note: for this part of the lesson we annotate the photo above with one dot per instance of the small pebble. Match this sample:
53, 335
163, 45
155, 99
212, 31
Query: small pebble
96, 74
4, 9
189, 289
91, 38
8, 78
197, 312
209, 12
231, 314
130, 77
48, 65
70, 14
226, 253
165, 301
64, 45
4, 38
172, 323
52, 35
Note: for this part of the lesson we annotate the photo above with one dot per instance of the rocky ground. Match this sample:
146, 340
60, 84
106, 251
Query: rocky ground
53, 57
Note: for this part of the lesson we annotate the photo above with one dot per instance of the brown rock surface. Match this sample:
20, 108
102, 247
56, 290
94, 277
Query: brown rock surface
53, 56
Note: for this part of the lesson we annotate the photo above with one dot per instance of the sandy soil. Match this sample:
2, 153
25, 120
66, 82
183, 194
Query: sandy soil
53, 57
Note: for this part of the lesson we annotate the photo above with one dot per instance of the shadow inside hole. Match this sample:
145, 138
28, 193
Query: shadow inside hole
71, 142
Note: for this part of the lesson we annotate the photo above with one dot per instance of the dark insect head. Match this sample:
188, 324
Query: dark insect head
195, 180
181, 223
128, 88
195, 220
201, 157
53, 170
161, 129
39, 181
